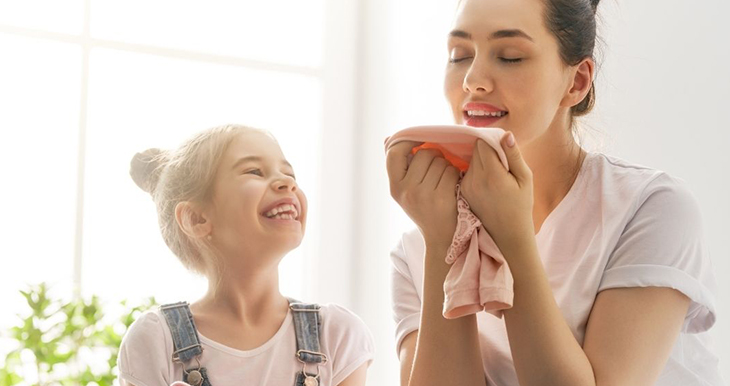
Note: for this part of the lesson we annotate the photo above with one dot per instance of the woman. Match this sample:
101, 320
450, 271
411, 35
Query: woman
612, 285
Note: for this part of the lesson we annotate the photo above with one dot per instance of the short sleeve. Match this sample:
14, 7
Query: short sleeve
662, 246
406, 302
144, 358
348, 342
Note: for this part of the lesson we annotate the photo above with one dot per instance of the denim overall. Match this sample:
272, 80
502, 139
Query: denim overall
185, 339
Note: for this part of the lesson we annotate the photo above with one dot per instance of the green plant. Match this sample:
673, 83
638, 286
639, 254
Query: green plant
67, 343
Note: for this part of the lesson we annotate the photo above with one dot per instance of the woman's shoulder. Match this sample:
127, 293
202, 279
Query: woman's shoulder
634, 183
618, 170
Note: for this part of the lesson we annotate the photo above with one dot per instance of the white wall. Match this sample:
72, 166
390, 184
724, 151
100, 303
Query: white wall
663, 92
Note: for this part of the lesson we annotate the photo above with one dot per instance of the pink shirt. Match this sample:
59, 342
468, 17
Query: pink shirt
146, 352
620, 225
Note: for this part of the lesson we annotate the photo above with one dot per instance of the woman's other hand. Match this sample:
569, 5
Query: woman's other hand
501, 199
425, 188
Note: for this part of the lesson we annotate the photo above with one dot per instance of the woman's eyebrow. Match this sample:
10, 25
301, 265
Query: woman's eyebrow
460, 34
510, 33
504, 33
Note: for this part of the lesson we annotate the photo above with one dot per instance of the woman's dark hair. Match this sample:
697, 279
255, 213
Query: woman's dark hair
573, 22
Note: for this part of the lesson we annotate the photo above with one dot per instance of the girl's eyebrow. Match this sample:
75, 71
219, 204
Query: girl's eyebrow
501, 34
254, 158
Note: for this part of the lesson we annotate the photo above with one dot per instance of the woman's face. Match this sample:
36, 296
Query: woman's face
504, 68
258, 205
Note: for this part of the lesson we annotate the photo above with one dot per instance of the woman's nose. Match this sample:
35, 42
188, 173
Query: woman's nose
477, 79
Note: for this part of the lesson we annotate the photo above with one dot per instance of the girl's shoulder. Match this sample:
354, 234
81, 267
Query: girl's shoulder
346, 340
149, 329
338, 320
146, 349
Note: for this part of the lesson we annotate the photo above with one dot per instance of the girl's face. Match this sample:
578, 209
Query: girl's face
258, 208
504, 68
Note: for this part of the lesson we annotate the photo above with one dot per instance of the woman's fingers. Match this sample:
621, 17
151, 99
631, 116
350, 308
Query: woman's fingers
449, 179
434, 172
420, 165
397, 159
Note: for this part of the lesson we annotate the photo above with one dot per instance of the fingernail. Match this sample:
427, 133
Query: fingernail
510, 140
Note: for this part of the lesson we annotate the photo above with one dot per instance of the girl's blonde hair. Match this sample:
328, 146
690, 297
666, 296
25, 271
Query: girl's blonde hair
184, 174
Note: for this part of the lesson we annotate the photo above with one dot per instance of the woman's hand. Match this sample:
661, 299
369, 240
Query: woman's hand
501, 199
425, 189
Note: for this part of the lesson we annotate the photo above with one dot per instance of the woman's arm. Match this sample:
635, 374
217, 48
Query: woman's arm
630, 332
444, 351
629, 336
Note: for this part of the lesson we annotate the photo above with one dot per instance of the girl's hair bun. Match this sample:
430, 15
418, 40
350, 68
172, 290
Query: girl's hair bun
145, 169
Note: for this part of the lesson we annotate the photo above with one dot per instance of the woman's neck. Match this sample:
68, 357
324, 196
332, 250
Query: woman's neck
555, 160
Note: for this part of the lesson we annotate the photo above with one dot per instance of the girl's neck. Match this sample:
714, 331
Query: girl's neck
244, 294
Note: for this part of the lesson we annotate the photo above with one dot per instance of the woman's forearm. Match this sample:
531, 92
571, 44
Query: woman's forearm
544, 350
447, 350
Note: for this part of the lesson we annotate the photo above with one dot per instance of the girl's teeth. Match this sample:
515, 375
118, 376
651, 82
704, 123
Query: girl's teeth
279, 212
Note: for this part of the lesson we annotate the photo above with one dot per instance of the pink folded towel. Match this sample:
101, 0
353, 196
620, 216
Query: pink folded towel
479, 278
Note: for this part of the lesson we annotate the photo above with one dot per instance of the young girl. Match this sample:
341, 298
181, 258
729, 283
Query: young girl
612, 282
230, 208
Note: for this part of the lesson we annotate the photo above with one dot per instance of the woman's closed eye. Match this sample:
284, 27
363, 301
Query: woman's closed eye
457, 60
510, 60
459, 54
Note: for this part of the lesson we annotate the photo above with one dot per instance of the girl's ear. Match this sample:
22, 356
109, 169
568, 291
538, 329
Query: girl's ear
192, 220
580, 84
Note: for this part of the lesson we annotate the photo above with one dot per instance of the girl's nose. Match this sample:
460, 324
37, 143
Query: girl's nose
285, 183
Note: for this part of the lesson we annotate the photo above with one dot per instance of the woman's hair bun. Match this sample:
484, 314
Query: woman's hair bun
145, 169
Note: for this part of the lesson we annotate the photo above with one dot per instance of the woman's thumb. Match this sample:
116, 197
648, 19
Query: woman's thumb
517, 165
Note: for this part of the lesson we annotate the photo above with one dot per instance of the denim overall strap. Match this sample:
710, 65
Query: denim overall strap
185, 341
307, 324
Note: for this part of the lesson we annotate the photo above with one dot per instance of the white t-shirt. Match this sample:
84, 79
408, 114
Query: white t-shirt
145, 356
620, 225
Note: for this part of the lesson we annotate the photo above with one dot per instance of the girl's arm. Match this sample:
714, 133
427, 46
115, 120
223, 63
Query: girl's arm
443, 351
357, 378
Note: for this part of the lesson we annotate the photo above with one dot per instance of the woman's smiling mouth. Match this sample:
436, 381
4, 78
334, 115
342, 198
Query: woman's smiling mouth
482, 114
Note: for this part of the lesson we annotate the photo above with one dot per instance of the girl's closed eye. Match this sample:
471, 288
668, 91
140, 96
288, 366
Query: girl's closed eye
255, 171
